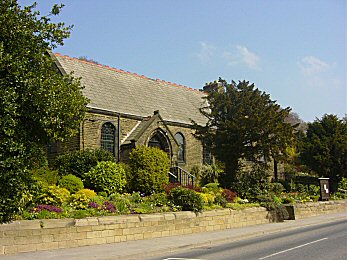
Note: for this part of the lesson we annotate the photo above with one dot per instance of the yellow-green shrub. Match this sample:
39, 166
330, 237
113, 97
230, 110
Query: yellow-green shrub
149, 167
53, 195
89, 193
208, 198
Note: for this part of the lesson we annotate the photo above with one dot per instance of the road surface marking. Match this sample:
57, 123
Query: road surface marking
281, 252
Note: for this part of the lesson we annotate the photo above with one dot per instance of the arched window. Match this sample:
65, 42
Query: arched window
159, 140
108, 138
181, 147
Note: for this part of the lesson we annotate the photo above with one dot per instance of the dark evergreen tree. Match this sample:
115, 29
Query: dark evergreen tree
324, 148
243, 124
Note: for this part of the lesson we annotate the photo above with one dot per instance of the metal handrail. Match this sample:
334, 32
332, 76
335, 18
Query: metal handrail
182, 176
172, 175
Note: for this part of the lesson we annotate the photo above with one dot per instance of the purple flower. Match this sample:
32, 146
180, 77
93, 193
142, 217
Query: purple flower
109, 207
49, 208
93, 205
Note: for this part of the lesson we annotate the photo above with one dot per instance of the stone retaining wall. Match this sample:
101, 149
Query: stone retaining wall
304, 210
36, 235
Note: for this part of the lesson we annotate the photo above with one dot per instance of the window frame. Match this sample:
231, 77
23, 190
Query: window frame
105, 142
181, 147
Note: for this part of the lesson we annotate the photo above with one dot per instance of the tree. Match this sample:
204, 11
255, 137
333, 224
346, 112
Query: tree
38, 104
324, 148
243, 124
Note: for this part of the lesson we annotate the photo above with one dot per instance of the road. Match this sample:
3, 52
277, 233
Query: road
324, 241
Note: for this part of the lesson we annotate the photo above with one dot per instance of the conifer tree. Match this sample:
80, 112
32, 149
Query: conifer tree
324, 148
243, 124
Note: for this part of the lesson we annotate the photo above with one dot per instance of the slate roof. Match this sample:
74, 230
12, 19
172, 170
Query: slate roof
119, 91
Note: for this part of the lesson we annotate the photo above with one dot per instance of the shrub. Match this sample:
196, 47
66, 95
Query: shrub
53, 195
79, 201
276, 188
16, 186
208, 198
196, 171
314, 190
221, 200
89, 193
80, 162
46, 176
71, 183
210, 173
343, 184
168, 187
253, 182
187, 199
149, 167
159, 199
121, 201
229, 195
212, 187
106, 177
98, 199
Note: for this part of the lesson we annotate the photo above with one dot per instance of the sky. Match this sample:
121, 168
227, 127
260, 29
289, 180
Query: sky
294, 50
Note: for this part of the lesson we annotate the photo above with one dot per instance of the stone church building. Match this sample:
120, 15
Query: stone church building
127, 110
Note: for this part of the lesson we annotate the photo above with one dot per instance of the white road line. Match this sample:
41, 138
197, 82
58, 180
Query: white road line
281, 252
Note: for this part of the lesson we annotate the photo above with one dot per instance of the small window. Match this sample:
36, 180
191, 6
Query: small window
181, 147
108, 138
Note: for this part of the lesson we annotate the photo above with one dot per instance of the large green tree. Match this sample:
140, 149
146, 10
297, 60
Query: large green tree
324, 148
37, 103
243, 124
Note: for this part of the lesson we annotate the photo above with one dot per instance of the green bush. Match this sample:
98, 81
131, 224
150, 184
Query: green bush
53, 195
212, 187
186, 198
149, 167
158, 199
89, 193
80, 162
79, 201
106, 177
210, 173
343, 184
253, 182
276, 188
71, 183
45, 175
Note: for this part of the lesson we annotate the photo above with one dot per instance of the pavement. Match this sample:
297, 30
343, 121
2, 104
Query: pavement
145, 249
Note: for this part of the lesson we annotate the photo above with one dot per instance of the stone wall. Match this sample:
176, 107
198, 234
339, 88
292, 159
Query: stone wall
304, 210
37, 235
48, 234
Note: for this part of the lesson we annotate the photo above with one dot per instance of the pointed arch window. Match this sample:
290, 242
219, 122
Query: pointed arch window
159, 140
181, 147
108, 137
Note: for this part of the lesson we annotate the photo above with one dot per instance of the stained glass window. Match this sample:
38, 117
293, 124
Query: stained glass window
181, 147
108, 137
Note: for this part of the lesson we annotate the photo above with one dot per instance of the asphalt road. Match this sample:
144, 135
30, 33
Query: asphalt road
325, 241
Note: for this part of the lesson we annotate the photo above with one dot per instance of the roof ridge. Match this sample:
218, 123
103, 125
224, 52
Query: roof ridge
125, 72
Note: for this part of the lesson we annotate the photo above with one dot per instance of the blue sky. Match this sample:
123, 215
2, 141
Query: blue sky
295, 50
